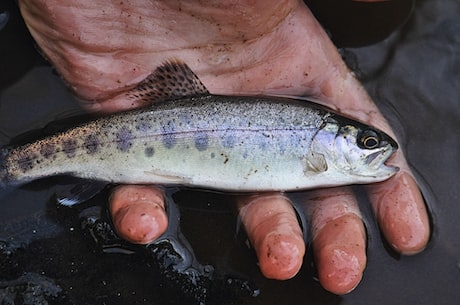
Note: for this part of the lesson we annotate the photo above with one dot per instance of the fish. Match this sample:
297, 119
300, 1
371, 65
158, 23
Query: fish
188, 137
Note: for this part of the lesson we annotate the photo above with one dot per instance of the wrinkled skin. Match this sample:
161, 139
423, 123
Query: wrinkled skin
104, 48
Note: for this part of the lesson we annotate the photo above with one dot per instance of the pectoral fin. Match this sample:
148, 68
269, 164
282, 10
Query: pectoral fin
78, 191
314, 163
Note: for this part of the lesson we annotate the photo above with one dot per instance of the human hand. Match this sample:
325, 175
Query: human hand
103, 49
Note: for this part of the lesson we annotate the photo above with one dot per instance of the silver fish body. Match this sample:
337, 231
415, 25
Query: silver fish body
215, 142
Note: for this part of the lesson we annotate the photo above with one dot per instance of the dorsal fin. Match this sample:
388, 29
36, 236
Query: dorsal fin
173, 79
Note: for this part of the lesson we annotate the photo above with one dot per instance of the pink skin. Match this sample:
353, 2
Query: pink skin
103, 48
138, 213
338, 237
273, 230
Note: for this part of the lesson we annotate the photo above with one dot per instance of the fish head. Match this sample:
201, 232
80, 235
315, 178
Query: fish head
355, 150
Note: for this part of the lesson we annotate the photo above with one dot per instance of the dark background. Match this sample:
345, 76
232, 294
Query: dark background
413, 75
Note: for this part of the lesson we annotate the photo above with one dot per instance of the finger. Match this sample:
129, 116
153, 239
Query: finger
274, 232
401, 213
338, 237
138, 213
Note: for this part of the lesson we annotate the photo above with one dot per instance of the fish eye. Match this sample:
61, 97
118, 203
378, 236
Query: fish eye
368, 139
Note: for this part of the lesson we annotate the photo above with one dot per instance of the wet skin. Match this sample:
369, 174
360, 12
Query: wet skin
103, 50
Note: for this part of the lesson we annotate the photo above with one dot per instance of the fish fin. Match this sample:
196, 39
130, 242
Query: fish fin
167, 178
78, 192
173, 79
314, 162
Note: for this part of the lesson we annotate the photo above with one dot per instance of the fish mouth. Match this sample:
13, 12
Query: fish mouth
377, 160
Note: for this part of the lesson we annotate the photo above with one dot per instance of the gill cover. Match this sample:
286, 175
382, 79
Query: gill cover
353, 148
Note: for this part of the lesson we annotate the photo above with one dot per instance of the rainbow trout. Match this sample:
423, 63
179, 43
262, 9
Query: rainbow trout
192, 138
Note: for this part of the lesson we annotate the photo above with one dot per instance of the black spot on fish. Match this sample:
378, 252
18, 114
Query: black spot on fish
229, 140
124, 138
143, 126
149, 151
264, 140
26, 162
295, 140
185, 119
69, 147
201, 141
169, 136
92, 144
47, 150
213, 155
225, 158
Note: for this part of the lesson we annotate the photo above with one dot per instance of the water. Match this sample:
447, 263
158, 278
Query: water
414, 75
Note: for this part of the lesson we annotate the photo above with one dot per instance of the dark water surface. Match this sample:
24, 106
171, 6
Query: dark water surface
414, 76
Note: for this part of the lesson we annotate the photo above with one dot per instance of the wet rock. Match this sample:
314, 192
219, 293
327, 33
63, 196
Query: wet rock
29, 289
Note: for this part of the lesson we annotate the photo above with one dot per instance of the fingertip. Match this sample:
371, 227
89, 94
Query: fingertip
340, 254
272, 227
140, 223
401, 213
281, 256
340, 272
138, 213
